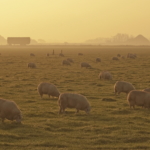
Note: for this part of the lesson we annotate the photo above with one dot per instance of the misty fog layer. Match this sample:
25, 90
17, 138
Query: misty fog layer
76, 21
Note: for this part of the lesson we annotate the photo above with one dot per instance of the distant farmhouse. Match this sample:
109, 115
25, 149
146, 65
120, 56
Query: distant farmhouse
138, 40
18, 40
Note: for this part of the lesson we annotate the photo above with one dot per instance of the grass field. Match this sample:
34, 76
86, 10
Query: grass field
110, 125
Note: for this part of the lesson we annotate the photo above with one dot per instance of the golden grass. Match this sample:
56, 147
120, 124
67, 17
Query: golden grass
111, 124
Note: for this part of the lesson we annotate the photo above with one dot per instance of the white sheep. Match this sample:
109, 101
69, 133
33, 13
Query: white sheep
130, 55
80, 54
66, 62
105, 75
48, 88
123, 86
147, 90
31, 65
31, 54
118, 55
61, 55
70, 60
86, 65
71, 100
139, 98
10, 111
115, 58
98, 60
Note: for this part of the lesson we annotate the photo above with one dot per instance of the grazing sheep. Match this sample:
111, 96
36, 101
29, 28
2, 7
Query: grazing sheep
139, 98
118, 55
70, 100
130, 55
31, 54
66, 62
47, 54
135, 55
122, 86
80, 54
48, 88
86, 65
98, 60
147, 90
70, 60
115, 58
105, 75
122, 57
31, 65
61, 55
9, 110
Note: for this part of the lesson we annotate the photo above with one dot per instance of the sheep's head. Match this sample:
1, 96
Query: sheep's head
88, 109
18, 118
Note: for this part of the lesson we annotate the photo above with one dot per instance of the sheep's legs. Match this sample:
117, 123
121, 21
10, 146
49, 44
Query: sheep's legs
41, 95
77, 111
3, 120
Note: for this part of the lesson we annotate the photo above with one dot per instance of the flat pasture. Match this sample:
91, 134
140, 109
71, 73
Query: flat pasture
111, 123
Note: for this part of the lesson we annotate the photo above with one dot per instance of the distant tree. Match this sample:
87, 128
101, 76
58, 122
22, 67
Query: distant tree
119, 38
131, 37
107, 40
33, 42
41, 41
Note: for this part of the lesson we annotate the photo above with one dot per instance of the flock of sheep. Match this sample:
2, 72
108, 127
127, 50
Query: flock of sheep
9, 109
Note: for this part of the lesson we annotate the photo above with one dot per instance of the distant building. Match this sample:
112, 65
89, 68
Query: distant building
139, 40
18, 40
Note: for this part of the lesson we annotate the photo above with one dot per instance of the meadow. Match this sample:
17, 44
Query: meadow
111, 123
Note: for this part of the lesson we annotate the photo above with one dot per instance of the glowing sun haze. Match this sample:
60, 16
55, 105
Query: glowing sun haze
73, 20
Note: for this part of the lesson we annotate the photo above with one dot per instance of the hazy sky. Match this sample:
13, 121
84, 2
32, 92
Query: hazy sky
73, 20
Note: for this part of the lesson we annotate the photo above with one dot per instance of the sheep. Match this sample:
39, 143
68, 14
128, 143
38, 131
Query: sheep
48, 88
31, 65
47, 54
31, 54
61, 55
118, 55
70, 60
135, 55
147, 90
80, 54
98, 60
123, 86
139, 98
115, 58
9, 110
105, 75
86, 65
130, 55
66, 62
72, 100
